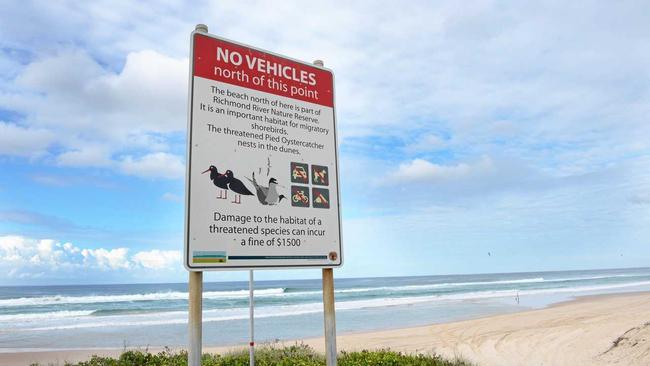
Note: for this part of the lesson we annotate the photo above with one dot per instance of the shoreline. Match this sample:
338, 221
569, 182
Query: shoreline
580, 331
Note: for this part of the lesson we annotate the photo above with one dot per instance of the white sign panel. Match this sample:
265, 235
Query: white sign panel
262, 177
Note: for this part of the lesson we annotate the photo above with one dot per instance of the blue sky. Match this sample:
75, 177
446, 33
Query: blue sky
465, 128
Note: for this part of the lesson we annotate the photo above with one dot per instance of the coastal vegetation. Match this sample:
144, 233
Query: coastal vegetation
296, 355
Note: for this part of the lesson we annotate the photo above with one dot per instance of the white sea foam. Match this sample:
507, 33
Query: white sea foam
217, 315
465, 284
441, 285
154, 296
420, 287
280, 292
29, 317
566, 279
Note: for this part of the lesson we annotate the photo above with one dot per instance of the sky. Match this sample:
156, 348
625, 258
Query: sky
475, 137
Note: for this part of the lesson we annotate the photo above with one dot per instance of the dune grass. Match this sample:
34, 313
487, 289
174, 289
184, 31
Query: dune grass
297, 355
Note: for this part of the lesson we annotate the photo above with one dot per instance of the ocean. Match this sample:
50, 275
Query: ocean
141, 315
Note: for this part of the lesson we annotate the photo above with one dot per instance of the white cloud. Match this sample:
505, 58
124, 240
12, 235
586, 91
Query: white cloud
509, 80
24, 141
13, 248
61, 76
171, 197
158, 259
546, 84
111, 259
68, 247
418, 183
423, 170
155, 165
147, 95
95, 115
428, 142
29, 257
88, 156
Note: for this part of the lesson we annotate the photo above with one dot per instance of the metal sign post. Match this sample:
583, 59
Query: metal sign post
262, 179
329, 316
195, 321
329, 311
251, 314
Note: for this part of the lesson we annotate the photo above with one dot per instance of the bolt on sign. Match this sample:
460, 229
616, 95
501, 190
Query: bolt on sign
262, 176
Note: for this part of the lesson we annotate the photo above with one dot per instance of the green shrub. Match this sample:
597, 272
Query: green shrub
391, 358
296, 355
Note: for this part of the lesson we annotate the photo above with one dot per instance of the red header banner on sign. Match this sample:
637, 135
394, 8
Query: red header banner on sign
249, 68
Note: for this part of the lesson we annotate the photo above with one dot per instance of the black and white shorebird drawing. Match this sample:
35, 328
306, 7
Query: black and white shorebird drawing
267, 195
236, 186
219, 180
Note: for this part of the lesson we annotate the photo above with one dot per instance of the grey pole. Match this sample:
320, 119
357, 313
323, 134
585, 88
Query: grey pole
195, 311
328, 304
251, 313
195, 321
201, 28
330, 316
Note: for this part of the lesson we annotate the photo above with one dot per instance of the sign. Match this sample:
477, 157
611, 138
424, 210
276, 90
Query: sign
262, 172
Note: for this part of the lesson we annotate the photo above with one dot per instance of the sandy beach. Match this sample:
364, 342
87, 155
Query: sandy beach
594, 330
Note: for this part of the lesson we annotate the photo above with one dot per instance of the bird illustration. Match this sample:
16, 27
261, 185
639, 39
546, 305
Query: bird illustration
267, 195
273, 197
236, 186
219, 180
